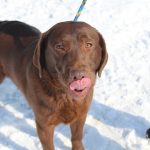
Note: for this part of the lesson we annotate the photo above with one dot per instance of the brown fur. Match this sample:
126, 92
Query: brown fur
43, 65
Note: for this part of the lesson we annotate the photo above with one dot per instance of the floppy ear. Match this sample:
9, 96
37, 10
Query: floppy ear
104, 54
39, 53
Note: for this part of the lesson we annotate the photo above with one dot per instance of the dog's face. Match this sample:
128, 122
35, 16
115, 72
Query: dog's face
72, 53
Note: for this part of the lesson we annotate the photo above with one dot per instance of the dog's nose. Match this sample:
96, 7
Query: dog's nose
77, 75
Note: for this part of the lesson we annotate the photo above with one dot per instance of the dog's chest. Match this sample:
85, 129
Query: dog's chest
69, 114
66, 112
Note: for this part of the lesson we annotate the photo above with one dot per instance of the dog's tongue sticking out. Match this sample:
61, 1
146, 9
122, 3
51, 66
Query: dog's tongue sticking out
80, 85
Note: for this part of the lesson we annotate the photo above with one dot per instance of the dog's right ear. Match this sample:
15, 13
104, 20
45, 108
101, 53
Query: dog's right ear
39, 53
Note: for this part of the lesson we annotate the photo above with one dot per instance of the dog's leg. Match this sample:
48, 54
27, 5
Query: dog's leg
77, 133
2, 75
46, 136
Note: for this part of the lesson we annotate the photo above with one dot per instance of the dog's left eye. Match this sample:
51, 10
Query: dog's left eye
88, 45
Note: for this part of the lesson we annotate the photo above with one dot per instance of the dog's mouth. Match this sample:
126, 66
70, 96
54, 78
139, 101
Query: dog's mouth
80, 88
79, 91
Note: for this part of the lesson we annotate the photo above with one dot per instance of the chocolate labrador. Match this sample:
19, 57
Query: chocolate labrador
56, 72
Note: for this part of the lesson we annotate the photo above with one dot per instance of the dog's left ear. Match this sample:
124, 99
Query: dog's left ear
104, 54
39, 53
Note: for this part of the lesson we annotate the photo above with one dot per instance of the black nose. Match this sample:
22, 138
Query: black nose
76, 75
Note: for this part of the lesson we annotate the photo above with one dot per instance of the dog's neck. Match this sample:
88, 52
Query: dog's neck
50, 84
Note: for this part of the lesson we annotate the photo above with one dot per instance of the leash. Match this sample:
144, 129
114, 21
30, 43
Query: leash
80, 10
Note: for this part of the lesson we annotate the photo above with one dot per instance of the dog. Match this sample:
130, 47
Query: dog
56, 71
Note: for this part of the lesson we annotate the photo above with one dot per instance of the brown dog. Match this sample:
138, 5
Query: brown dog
56, 72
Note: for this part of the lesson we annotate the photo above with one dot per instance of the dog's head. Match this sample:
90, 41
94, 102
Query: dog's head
73, 53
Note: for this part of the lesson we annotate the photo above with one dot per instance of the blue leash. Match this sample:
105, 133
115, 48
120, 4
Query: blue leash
80, 10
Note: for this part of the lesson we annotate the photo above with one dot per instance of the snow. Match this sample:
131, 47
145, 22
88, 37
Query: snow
119, 115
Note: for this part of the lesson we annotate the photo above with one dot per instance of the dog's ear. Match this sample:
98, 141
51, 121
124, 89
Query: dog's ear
39, 53
104, 54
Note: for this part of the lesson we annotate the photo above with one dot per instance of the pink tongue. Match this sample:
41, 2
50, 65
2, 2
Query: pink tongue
80, 84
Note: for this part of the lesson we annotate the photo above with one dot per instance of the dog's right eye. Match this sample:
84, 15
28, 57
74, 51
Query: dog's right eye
59, 46
62, 46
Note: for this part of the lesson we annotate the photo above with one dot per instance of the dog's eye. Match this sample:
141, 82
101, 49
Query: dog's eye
88, 45
60, 47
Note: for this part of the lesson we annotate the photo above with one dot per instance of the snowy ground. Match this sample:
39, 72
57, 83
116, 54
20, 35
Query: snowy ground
120, 112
